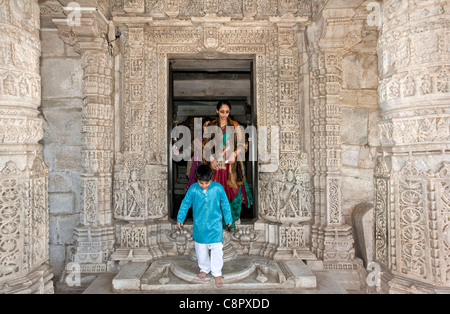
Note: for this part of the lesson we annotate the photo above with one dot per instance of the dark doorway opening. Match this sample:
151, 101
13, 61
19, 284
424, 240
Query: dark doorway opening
195, 88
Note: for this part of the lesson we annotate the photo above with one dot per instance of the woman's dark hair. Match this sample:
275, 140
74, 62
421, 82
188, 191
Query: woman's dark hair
221, 103
204, 173
207, 119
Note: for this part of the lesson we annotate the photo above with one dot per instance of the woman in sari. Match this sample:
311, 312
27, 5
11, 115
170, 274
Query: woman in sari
229, 170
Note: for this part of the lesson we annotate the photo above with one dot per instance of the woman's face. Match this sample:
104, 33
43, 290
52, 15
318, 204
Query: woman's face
224, 112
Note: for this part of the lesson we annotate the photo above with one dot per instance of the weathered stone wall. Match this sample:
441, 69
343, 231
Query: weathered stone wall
62, 74
360, 113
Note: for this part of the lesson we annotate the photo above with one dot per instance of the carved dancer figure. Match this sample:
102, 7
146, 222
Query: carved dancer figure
210, 207
226, 159
136, 198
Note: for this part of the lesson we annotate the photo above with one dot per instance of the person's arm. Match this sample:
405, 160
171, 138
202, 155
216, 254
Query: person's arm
225, 207
240, 139
237, 155
185, 205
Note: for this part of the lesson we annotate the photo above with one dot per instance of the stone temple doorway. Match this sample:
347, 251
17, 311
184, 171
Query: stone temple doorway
195, 88
150, 253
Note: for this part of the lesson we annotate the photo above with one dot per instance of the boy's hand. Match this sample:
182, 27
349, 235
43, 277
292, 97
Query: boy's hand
180, 225
229, 225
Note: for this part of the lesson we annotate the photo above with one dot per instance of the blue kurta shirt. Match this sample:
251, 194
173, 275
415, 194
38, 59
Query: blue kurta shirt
209, 209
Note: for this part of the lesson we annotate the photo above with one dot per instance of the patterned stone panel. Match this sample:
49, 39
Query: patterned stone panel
412, 223
440, 226
233, 8
286, 195
12, 211
23, 219
412, 218
382, 213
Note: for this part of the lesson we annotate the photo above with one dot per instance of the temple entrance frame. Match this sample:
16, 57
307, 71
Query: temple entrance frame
285, 210
230, 64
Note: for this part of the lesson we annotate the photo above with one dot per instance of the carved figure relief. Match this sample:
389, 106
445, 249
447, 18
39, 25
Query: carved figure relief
139, 193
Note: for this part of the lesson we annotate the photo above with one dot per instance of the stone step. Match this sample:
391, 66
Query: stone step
243, 272
299, 273
129, 277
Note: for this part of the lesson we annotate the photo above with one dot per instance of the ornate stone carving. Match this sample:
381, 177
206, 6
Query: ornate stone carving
182, 239
139, 191
134, 6
411, 204
382, 211
411, 238
195, 8
245, 237
286, 196
24, 217
293, 237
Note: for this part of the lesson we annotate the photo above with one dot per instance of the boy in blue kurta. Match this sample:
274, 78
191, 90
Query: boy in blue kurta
210, 206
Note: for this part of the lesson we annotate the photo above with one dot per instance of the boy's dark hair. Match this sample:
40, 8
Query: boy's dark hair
204, 173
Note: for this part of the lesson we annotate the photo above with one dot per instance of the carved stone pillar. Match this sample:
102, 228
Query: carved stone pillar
140, 176
289, 187
412, 210
24, 217
332, 239
95, 235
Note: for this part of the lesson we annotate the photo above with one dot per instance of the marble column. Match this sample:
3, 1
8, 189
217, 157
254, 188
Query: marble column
412, 176
24, 217
95, 235
332, 239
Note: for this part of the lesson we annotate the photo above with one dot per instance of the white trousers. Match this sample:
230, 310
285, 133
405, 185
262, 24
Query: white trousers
211, 265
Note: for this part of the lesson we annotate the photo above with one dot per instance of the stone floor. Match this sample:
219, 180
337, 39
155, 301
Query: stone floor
326, 285
102, 284
241, 274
